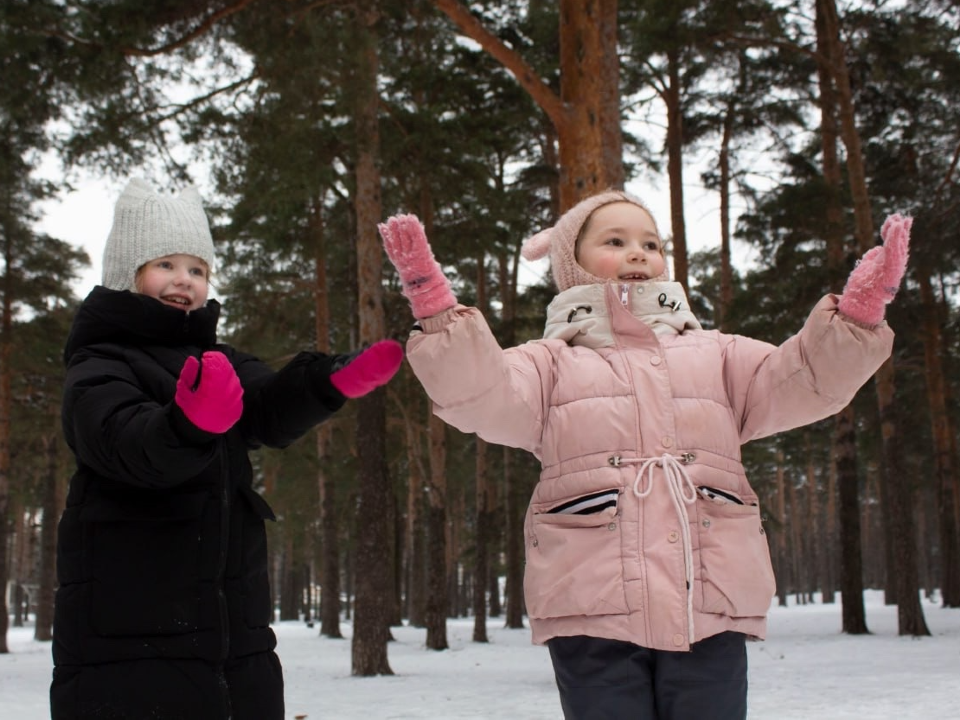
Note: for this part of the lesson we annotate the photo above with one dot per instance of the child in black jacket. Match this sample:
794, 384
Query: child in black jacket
163, 608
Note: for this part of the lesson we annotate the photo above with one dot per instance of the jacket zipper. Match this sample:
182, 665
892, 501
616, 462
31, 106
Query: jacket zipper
221, 573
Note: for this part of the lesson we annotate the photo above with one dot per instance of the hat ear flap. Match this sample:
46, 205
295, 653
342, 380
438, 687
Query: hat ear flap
536, 246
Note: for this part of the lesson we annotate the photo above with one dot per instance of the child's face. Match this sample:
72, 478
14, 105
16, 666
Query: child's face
176, 280
620, 242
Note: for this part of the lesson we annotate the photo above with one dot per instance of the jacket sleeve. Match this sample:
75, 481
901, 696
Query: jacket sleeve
280, 406
122, 433
811, 376
478, 387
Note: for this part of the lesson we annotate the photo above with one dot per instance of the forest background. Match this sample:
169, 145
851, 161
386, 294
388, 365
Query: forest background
315, 119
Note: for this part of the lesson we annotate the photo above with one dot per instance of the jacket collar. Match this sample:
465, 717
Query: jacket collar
125, 317
592, 315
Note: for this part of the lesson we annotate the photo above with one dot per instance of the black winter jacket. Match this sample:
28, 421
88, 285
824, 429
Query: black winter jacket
163, 608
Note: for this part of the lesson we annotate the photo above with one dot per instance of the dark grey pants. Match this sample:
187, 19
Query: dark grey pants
603, 679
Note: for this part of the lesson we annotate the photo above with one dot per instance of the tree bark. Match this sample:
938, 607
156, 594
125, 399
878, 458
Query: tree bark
515, 502
678, 227
373, 602
329, 517
435, 612
6, 327
944, 461
895, 487
483, 524
416, 542
54, 497
590, 141
783, 574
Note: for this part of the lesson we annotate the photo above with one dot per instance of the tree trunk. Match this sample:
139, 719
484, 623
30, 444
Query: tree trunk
854, 618
678, 227
416, 545
590, 141
6, 325
813, 533
895, 489
829, 563
435, 614
53, 502
329, 524
783, 576
944, 461
483, 523
374, 598
833, 213
483, 527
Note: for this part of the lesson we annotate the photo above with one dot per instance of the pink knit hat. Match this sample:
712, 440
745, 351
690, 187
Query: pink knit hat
560, 241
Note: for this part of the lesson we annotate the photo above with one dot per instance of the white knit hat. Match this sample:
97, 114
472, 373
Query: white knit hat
560, 241
147, 226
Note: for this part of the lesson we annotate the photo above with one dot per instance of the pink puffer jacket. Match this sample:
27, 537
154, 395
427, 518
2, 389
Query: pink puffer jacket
643, 526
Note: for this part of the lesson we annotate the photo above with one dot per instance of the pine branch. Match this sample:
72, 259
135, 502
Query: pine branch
201, 29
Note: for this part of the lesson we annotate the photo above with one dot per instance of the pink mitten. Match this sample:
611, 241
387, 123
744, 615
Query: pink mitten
876, 278
424, 284
209, 392
368, 369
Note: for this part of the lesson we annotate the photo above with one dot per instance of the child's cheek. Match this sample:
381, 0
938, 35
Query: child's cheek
608, 268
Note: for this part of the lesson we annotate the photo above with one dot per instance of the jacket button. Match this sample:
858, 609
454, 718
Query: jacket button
612, 526
667, 442
655, 360
706, 523
678, 639
673, 536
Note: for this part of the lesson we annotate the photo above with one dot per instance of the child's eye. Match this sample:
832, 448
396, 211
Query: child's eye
616, 242
199, 272
652, 246
165, 264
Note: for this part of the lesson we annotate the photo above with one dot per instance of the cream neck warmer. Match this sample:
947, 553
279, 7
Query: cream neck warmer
580, 315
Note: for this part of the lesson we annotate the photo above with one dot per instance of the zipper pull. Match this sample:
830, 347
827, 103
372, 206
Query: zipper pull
625, 295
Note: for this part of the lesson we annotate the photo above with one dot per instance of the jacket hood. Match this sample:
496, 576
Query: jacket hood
129, 318
582, 314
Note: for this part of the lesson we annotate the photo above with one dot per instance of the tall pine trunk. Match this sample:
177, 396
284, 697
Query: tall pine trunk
896, 491
54, 497
329, 524
416, 542
944, 459
435, 615
483, 524
373, 604
678, 226
6, 326
586, 114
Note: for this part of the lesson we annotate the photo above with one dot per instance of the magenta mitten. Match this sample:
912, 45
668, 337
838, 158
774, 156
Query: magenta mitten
368, 369
423, 281
209, 392
876, 278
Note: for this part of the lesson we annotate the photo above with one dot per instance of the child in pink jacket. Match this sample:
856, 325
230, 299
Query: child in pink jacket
647, 565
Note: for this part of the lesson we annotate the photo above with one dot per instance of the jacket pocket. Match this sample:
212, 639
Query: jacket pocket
574, 562
143, 557
736, 576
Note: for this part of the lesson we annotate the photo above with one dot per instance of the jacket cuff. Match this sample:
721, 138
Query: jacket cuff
185, 429
436, 323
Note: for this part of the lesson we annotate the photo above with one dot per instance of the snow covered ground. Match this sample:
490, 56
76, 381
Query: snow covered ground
805, 669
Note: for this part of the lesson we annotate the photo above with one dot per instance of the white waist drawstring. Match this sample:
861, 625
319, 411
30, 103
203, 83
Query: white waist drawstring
682, 492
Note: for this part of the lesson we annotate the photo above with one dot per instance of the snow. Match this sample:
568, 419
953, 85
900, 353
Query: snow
805, 669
